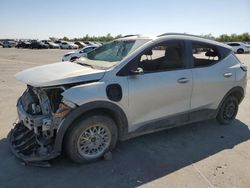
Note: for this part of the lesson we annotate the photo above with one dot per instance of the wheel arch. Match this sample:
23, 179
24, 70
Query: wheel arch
98, 107
73, 58
237, 91
240, 49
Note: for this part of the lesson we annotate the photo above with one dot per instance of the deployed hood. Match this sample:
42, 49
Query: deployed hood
58, 74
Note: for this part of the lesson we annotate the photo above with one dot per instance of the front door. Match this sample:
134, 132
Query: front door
163, 91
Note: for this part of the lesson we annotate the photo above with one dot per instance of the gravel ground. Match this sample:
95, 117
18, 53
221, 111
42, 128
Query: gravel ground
200, 155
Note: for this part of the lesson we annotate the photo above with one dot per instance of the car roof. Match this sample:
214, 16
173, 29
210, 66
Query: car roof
195, 38
177, 36
235, 43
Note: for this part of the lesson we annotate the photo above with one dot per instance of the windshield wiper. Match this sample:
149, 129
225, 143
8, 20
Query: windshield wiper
84, 64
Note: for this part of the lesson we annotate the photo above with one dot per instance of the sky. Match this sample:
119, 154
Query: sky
42, 19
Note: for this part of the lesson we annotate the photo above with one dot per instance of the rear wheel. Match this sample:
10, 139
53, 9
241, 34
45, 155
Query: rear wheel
240, 51
228, 110
90, 138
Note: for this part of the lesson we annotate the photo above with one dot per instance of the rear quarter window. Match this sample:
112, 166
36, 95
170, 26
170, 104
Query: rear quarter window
207, 55
233, 44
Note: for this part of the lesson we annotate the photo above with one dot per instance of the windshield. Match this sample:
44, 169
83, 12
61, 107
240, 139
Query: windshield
113, 51
110, 54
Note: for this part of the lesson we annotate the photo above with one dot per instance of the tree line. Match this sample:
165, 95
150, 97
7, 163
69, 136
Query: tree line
244, 37
106, 38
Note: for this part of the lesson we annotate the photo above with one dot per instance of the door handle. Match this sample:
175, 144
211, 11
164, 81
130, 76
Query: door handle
183, 80
227, 74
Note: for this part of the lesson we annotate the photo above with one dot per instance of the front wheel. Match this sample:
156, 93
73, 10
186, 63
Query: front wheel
90, 138
73, 59
228, 110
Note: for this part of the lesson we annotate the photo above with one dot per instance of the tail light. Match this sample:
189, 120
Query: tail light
243, 67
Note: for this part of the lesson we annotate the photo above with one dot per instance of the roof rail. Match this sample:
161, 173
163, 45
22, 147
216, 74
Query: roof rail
183, 34
130, 35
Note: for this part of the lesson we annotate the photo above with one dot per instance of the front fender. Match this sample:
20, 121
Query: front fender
117, 113
85, 93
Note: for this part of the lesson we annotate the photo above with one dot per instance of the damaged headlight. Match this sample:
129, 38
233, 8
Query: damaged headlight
64, 108
68, 103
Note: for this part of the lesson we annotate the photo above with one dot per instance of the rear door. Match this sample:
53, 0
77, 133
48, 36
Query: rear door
213, 77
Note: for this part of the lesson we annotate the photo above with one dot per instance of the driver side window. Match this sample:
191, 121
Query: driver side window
164, 56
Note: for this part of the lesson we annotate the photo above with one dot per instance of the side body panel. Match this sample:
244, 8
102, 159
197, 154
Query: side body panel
96, 91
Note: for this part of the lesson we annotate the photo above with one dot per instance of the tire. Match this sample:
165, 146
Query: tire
240, 51
80, 133
73, 59
228, 110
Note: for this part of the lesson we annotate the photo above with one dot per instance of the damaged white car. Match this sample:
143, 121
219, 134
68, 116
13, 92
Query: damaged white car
128, 87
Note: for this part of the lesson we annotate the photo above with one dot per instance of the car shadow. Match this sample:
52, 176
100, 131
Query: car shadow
135, 162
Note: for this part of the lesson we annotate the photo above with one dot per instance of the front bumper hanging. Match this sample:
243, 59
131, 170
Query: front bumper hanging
25, 145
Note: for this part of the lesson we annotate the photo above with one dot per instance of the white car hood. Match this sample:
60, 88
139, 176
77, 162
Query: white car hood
58, 74
72, 52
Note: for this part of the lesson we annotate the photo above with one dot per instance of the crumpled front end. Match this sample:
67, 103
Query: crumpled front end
40, 112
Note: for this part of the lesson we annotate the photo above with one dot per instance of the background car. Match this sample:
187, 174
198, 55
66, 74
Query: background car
23, 44
239, 47
38, 45
8, 44
98, 43
58, 42
247, 43
90, 43
51, 44
71, 56
80, 44
68, 45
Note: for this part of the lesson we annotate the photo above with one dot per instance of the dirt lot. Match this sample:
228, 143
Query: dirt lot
199, 155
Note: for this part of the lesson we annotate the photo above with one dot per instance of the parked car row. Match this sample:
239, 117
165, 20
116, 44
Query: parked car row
45, 44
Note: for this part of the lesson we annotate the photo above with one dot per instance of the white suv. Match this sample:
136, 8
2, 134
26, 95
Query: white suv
68, 45
239, 47
8, 44
72, 56
128, 87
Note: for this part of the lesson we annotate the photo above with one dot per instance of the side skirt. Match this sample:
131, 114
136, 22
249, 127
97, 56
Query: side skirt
172, 122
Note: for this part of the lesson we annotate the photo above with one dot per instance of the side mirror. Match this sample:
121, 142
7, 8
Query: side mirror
138, 71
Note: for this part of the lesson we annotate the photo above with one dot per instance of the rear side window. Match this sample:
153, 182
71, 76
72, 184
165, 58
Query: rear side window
205, 55
233, 44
